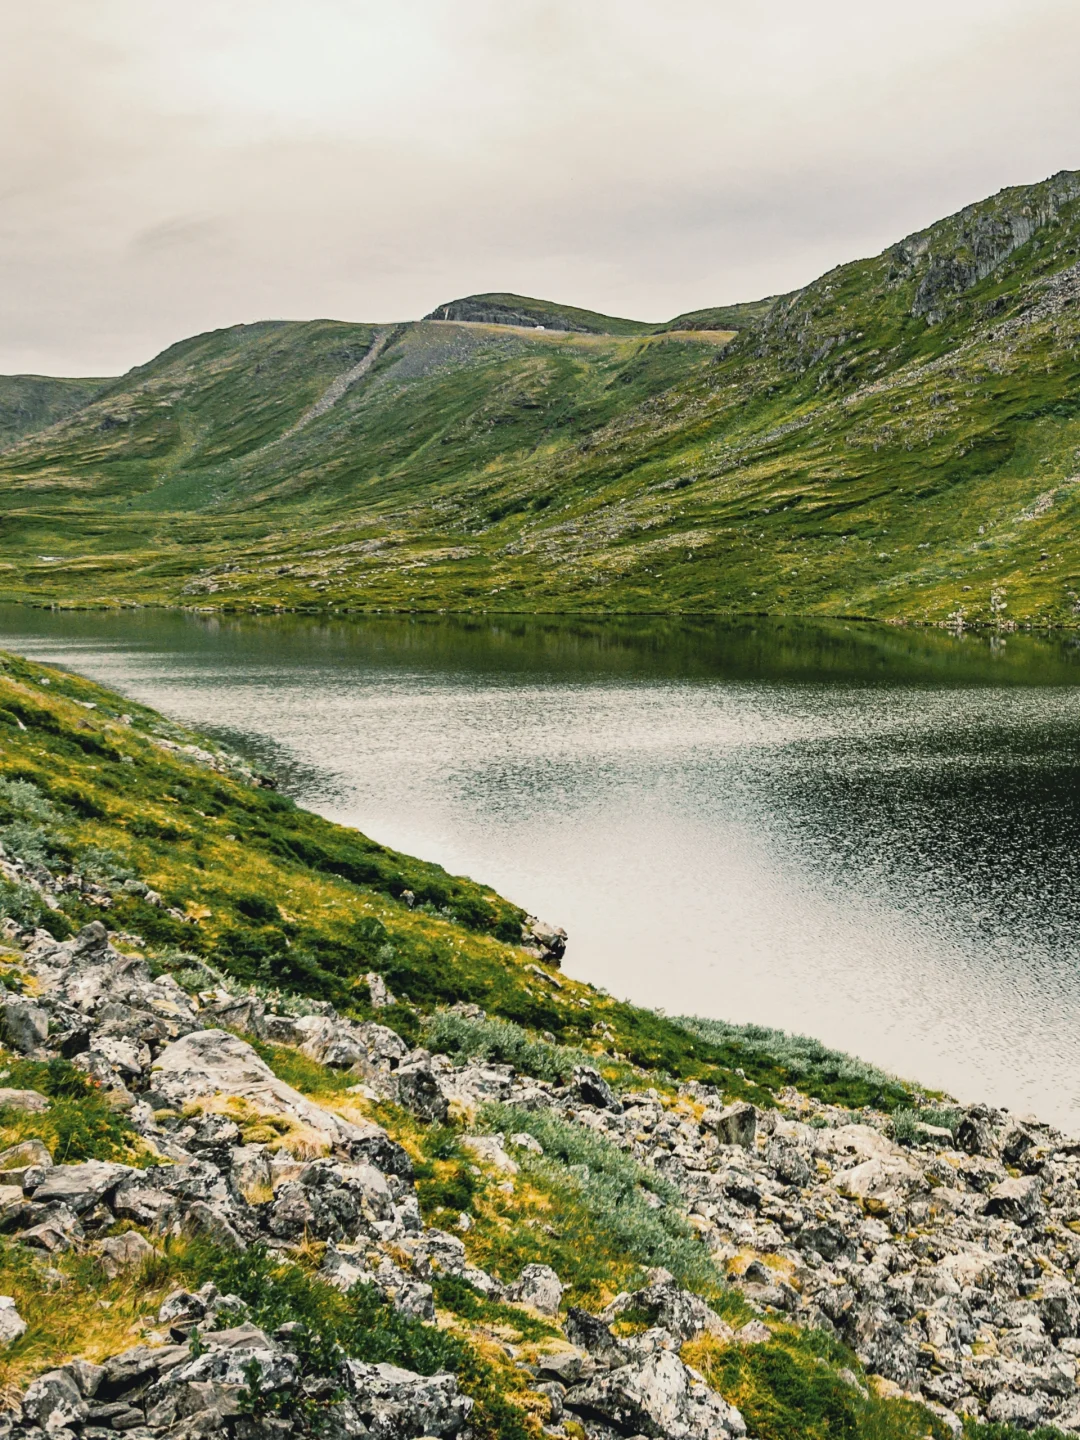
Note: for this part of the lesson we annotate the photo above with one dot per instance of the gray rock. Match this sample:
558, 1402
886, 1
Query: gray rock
539, 1287
54, 1402
417, 1088
656, 1397
1018, 1199
734, 1125
207, 1063
25, 1025
678, 1311
81, 1187
12, 1325
129, 1251
592, 1089
29, 1100
398, 1404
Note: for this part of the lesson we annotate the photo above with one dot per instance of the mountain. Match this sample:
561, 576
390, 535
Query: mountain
33, 402
899, 439
535, 314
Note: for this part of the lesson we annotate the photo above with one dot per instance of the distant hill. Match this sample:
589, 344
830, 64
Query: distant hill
31, 402
522, 310
899, 439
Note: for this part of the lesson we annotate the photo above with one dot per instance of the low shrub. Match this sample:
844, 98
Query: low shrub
502, 1043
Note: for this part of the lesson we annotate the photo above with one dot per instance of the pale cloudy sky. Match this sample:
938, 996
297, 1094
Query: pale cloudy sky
168, 166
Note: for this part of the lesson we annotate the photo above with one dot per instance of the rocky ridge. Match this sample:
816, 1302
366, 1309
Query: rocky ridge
948, 1264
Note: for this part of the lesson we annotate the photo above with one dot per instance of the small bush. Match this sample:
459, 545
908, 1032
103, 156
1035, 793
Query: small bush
79, 1125
607, 1216
501, 1042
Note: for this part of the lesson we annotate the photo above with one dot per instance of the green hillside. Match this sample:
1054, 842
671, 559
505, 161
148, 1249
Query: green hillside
32, 402
900, 439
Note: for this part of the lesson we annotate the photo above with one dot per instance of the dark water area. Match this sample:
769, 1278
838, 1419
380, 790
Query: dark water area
864, 833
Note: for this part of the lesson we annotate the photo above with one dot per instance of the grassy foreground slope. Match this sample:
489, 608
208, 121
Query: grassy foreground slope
900, 439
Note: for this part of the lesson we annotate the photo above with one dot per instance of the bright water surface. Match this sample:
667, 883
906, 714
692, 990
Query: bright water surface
868, 835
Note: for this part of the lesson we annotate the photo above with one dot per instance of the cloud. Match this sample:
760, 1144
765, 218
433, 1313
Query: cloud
166, 169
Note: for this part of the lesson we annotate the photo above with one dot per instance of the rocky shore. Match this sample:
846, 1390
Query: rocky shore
947, 1264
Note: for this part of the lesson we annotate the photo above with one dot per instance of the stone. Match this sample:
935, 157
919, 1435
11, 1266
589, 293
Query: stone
679, 1311
25, 1025
29, 1100
1018, 1199
12, 1325
208, 1063
418, 1089
489, 1150
590, 1333
656, 1397
80, 1187
734, 1125
379, 991
539, 1287
879, 1184
54, 1402
129, 1251
394, 1402
591, 1088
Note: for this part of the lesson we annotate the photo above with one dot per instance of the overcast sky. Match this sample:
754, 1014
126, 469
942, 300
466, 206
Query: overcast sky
168, 166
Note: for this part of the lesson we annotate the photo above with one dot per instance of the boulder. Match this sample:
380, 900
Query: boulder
418, 1089
398, 1403
657, 1397
209, 1063
12, 1325
489, 1149
1018, 1199
81, 1187
25, 1026
54, 1402
734, 1125
129, 1251
29, 1100
590, 1088
539, 1287
679, 1311
880, 1184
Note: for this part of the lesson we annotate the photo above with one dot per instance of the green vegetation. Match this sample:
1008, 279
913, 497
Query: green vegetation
33, 402
804, 1386
80, 1124
898, 440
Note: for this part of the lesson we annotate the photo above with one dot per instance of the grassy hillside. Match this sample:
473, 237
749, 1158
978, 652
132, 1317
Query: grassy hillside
901, 439
33, 402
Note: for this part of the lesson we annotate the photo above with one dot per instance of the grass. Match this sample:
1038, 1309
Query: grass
80, 1124
793, 1388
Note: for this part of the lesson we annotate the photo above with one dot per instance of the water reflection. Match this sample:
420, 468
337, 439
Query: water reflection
865, 833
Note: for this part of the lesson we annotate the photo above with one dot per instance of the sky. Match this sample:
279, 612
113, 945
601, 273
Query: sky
170, 168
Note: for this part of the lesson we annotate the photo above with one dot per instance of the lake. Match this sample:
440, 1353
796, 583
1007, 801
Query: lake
867, 834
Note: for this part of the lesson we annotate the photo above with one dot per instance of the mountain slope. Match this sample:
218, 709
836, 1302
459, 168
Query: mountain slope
33, 402
899, 439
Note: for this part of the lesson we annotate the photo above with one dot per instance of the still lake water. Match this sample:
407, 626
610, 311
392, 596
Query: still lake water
868, 835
